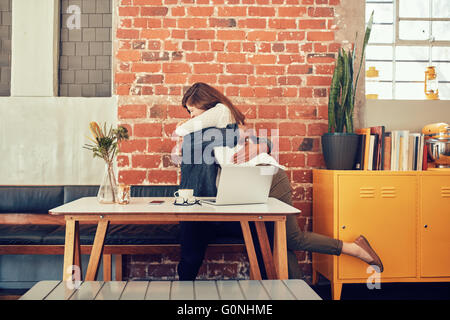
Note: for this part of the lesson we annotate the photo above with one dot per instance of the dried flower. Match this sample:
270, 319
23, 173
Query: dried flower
105, 143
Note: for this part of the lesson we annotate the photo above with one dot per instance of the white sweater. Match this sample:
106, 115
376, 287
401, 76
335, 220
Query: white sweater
218, 116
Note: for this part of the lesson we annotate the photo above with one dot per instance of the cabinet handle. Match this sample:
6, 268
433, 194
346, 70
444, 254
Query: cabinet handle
343, 227
425, 226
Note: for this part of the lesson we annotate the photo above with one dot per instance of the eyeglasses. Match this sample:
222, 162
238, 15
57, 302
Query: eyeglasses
186, 202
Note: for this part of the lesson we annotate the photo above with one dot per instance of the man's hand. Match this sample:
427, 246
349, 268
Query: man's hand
249, 151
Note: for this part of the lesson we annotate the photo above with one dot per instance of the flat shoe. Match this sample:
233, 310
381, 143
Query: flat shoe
362, 242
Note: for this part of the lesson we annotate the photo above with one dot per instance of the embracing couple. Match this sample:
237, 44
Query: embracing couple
216, 122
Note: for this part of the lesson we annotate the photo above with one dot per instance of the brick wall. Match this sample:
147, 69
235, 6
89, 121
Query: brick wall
273, 58
85, 52
5, 47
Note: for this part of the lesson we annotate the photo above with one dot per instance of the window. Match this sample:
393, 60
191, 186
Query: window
407, 36
85, 48
5, 47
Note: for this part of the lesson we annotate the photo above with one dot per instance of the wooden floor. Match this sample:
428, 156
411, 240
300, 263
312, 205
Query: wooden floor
173, 290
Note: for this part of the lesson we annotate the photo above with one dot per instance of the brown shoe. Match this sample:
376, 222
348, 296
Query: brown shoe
363, 243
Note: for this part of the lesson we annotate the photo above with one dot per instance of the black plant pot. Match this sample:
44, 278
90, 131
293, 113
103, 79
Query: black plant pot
339, 150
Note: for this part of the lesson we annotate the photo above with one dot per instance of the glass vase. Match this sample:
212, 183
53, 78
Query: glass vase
107, 193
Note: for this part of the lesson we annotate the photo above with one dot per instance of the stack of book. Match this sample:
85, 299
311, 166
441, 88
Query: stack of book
398, 150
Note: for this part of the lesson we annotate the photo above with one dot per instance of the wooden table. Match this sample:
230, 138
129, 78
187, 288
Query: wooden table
140, 211
292, 289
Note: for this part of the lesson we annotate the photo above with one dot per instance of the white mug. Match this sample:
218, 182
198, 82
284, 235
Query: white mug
184, 195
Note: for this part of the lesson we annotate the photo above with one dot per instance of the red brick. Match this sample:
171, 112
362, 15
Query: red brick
162, 176
200, 11
234, 79
240, 68
292, 160
291, 36
133, 145
199, 57
231, 57
317, 129
128, 11
186, 23
132, 111
302, 176
261, 36
272, 112
123, 161
147, 130
302, 112
312, 24
262, 59
230, 35
128, 55
276, 70
321, 12
256, 23
289, 11
145, 161
133, 177
315, 160
200, 34
292, 129
208, 68
124, 78
176, 67
283, 24
146, 67
155, 33
164, 145
318, 81
127, 34
261, 11
320, 36
154, 11
232, 11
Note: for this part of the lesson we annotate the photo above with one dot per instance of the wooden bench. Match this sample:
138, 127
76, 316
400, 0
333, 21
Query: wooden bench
173, 290
27, 206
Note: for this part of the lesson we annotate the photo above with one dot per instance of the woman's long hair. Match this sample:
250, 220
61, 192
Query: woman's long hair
203, 96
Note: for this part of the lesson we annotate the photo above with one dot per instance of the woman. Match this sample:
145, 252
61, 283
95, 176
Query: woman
214, 116
214, 123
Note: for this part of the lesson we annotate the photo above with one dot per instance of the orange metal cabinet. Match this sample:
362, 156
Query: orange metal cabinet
435, 226
391, 209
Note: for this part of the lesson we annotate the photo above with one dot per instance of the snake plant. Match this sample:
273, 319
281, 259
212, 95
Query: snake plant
341, 101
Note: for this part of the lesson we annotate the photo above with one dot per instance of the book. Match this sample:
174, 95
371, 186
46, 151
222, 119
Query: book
366, 132
399, 150
379, 131
424, 156
410, 152
371, 152
387, 151
422, 151
359, 163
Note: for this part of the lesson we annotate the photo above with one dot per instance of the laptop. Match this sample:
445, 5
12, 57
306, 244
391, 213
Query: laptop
243, 185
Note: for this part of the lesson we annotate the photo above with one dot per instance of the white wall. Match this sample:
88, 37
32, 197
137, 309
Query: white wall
410, 115
41, 139
41, 135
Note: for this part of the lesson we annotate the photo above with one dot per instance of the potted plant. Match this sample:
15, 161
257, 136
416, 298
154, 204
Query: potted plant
104, 145
340, 144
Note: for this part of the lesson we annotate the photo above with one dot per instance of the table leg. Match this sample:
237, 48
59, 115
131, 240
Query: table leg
69, 248
97, 249
280, 250
265, 249
77, 256
107, 267
255, 274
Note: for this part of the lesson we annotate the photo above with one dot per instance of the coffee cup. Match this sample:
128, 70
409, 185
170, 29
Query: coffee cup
184, 195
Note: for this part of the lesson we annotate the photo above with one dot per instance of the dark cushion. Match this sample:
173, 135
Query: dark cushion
76, 192
24, 234
30, 199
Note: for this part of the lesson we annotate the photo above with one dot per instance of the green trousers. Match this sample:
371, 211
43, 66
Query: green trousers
298, 240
